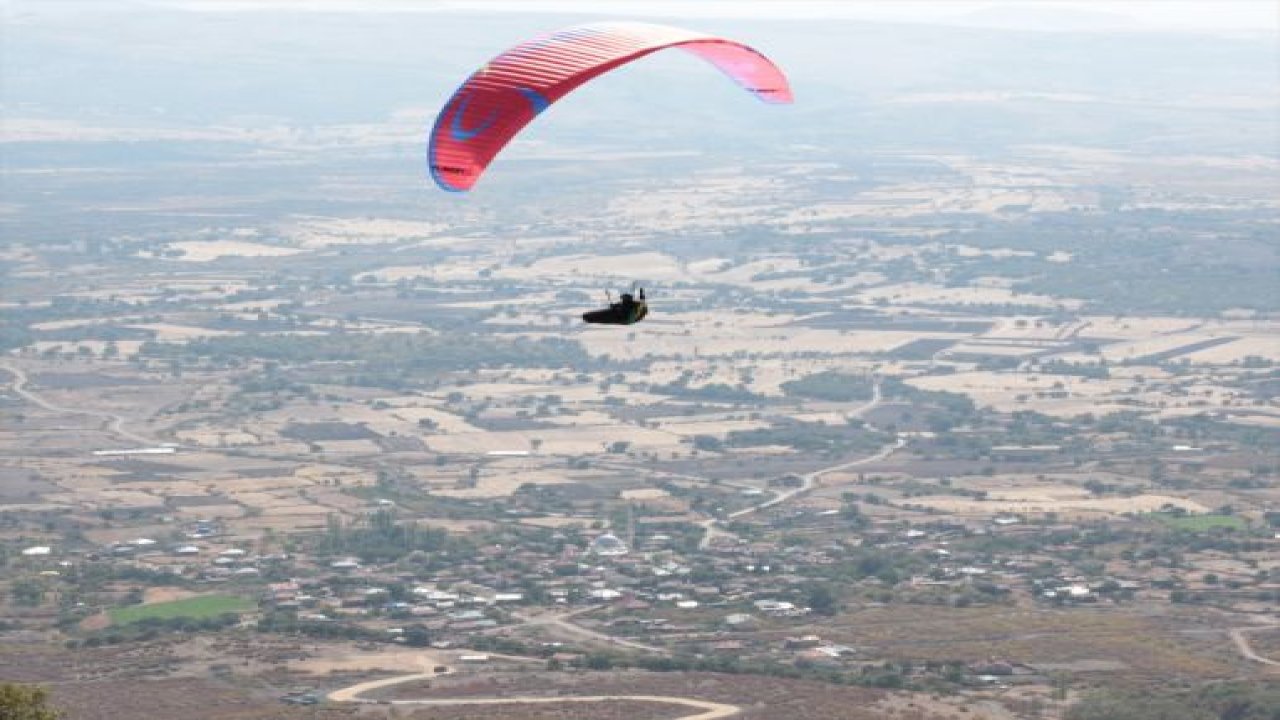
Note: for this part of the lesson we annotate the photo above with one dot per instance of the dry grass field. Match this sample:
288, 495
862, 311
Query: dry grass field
922, 294
1148, 647
189, 699
705, 201
322, 232
584, 440
709, 335
206, 250
1041, 494
503, 479
155, 680
1258, 345
1065, 507
1010, 392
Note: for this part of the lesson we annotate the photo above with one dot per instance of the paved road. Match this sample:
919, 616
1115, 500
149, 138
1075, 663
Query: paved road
1238, 636
706, 710
115, 423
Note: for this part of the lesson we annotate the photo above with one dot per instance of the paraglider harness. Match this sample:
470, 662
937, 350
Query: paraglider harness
628, 312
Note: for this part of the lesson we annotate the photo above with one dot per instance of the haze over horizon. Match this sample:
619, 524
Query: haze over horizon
1195, 16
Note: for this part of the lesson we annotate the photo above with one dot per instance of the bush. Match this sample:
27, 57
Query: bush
25, 702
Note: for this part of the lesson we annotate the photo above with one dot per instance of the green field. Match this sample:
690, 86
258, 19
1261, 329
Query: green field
198, 608
1201, 523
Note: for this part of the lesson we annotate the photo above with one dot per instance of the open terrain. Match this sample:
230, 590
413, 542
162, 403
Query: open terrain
957, 399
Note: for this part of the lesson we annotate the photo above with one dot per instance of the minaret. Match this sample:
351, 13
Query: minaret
631, 527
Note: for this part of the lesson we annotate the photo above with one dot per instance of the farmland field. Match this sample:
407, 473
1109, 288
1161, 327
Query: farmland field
198, 608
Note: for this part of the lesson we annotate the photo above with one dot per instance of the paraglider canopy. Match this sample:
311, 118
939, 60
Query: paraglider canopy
499, 99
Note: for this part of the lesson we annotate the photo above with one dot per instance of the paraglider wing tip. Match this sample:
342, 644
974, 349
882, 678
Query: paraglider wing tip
447, 187
774, 96
442, 177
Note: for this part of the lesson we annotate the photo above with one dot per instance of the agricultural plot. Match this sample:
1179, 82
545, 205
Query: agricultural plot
1237, 350
1067, 507
209, 250
323, 232
197, 608
1202, 523
1045, 393
908, 294
1146, 646
327, 431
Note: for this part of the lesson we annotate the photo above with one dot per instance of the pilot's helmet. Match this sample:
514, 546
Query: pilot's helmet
627, 297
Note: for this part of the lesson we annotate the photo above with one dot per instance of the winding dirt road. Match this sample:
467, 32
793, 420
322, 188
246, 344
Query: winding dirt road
707, 710
1238, 636
808, 480
710, 526
352, 693
115, 423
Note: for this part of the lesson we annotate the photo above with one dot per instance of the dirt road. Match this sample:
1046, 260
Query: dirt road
1238, 636
353, 692
711, 525
707, 710
115, 423
807, 481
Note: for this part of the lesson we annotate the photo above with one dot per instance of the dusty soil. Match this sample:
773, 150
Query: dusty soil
144, 682
554, 711
188, 699
762, 698
1149, 646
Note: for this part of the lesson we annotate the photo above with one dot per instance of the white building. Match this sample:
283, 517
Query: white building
608, 545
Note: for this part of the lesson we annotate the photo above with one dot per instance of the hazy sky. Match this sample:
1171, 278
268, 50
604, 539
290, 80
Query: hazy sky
1142, 15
